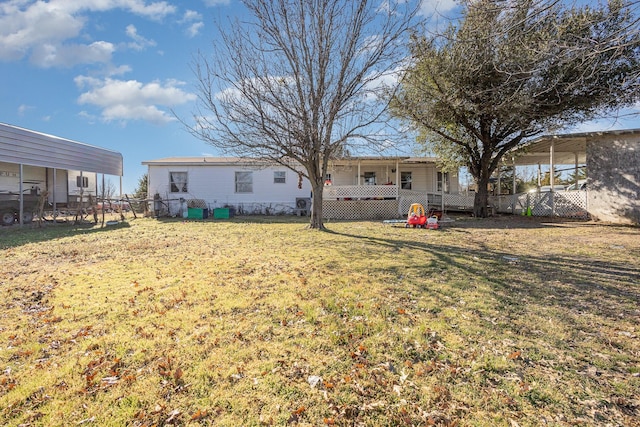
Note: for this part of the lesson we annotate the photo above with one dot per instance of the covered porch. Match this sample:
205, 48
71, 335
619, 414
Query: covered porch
385, 187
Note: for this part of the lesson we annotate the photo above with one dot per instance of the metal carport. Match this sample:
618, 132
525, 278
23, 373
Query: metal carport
612, 159
26, 147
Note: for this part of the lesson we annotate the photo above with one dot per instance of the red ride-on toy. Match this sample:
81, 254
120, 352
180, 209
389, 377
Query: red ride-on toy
416, 216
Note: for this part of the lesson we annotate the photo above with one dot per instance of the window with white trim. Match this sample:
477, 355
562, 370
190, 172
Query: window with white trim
178, 182
405, 180
244, 182
82, 181
369, 178
443, 182
279, 177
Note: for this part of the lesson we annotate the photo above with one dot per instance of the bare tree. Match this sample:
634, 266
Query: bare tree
509, 71
106, 191
301, 82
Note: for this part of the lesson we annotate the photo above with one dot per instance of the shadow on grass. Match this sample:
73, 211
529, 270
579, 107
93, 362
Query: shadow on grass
15, 236
584, 286
249, 219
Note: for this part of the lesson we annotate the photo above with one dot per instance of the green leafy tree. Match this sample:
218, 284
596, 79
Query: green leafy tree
141, 190
140, 194
511, 70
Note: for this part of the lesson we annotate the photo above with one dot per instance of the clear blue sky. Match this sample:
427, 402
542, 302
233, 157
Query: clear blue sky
109, 72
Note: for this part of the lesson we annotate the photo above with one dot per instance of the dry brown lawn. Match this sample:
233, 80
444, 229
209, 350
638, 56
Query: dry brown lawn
260, 321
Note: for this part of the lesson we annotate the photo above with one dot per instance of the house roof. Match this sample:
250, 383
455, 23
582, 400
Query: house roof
202, 160
28, 147
566, 148
210, 160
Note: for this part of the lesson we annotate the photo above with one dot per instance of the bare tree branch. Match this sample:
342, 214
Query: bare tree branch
300, 81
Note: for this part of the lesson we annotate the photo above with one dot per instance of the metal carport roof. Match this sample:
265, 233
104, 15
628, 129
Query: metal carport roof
567, 148
27, 147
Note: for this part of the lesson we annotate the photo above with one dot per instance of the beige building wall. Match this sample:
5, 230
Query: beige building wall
613, 165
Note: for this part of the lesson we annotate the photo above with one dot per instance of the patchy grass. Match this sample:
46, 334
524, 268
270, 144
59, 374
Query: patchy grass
501, 322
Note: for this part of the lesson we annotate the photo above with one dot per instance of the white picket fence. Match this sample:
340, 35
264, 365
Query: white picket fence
565, 204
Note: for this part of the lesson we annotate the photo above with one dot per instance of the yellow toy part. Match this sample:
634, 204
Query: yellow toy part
416, 216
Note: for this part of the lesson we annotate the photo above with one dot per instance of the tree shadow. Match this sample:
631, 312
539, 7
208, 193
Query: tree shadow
15, 237
602, 288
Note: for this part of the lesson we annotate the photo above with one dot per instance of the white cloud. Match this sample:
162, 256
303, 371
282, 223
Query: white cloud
42, 30
69, 55
24, 108
117, 71
139, 42
194, 29
191, 15
212, 3
126, 100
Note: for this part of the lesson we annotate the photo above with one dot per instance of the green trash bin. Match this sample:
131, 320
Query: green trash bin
197, 213
221, 213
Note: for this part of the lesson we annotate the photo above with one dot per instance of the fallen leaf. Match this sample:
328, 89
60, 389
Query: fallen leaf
199, 415
178, 374
516, 354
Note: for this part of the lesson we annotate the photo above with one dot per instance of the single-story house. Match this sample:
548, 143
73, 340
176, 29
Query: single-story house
355, 188
33, 164
612, 163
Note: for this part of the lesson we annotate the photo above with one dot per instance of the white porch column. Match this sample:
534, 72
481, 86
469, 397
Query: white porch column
552, 173
576, 170
397, 178
551, 164
53, 214
397, 172
513, 189
499, 189
21, 197
358, 183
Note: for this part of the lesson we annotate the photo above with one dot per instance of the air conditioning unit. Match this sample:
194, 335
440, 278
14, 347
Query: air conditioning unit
303, 206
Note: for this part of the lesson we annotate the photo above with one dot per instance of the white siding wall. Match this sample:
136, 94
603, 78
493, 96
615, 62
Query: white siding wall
216, 186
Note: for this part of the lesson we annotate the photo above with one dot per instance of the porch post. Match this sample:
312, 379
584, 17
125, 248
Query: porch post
102, 206
576, 170
358, 172
442, 195
21, 208
499, 189
397, 178
53, 213
551, 164
551, 177
513, 188
397, 172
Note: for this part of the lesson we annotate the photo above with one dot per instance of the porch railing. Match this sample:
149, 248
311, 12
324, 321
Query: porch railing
566, 204
357, 192
451, 201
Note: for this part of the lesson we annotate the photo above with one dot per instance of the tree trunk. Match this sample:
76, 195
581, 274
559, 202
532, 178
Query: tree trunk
316, 206
481, 200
